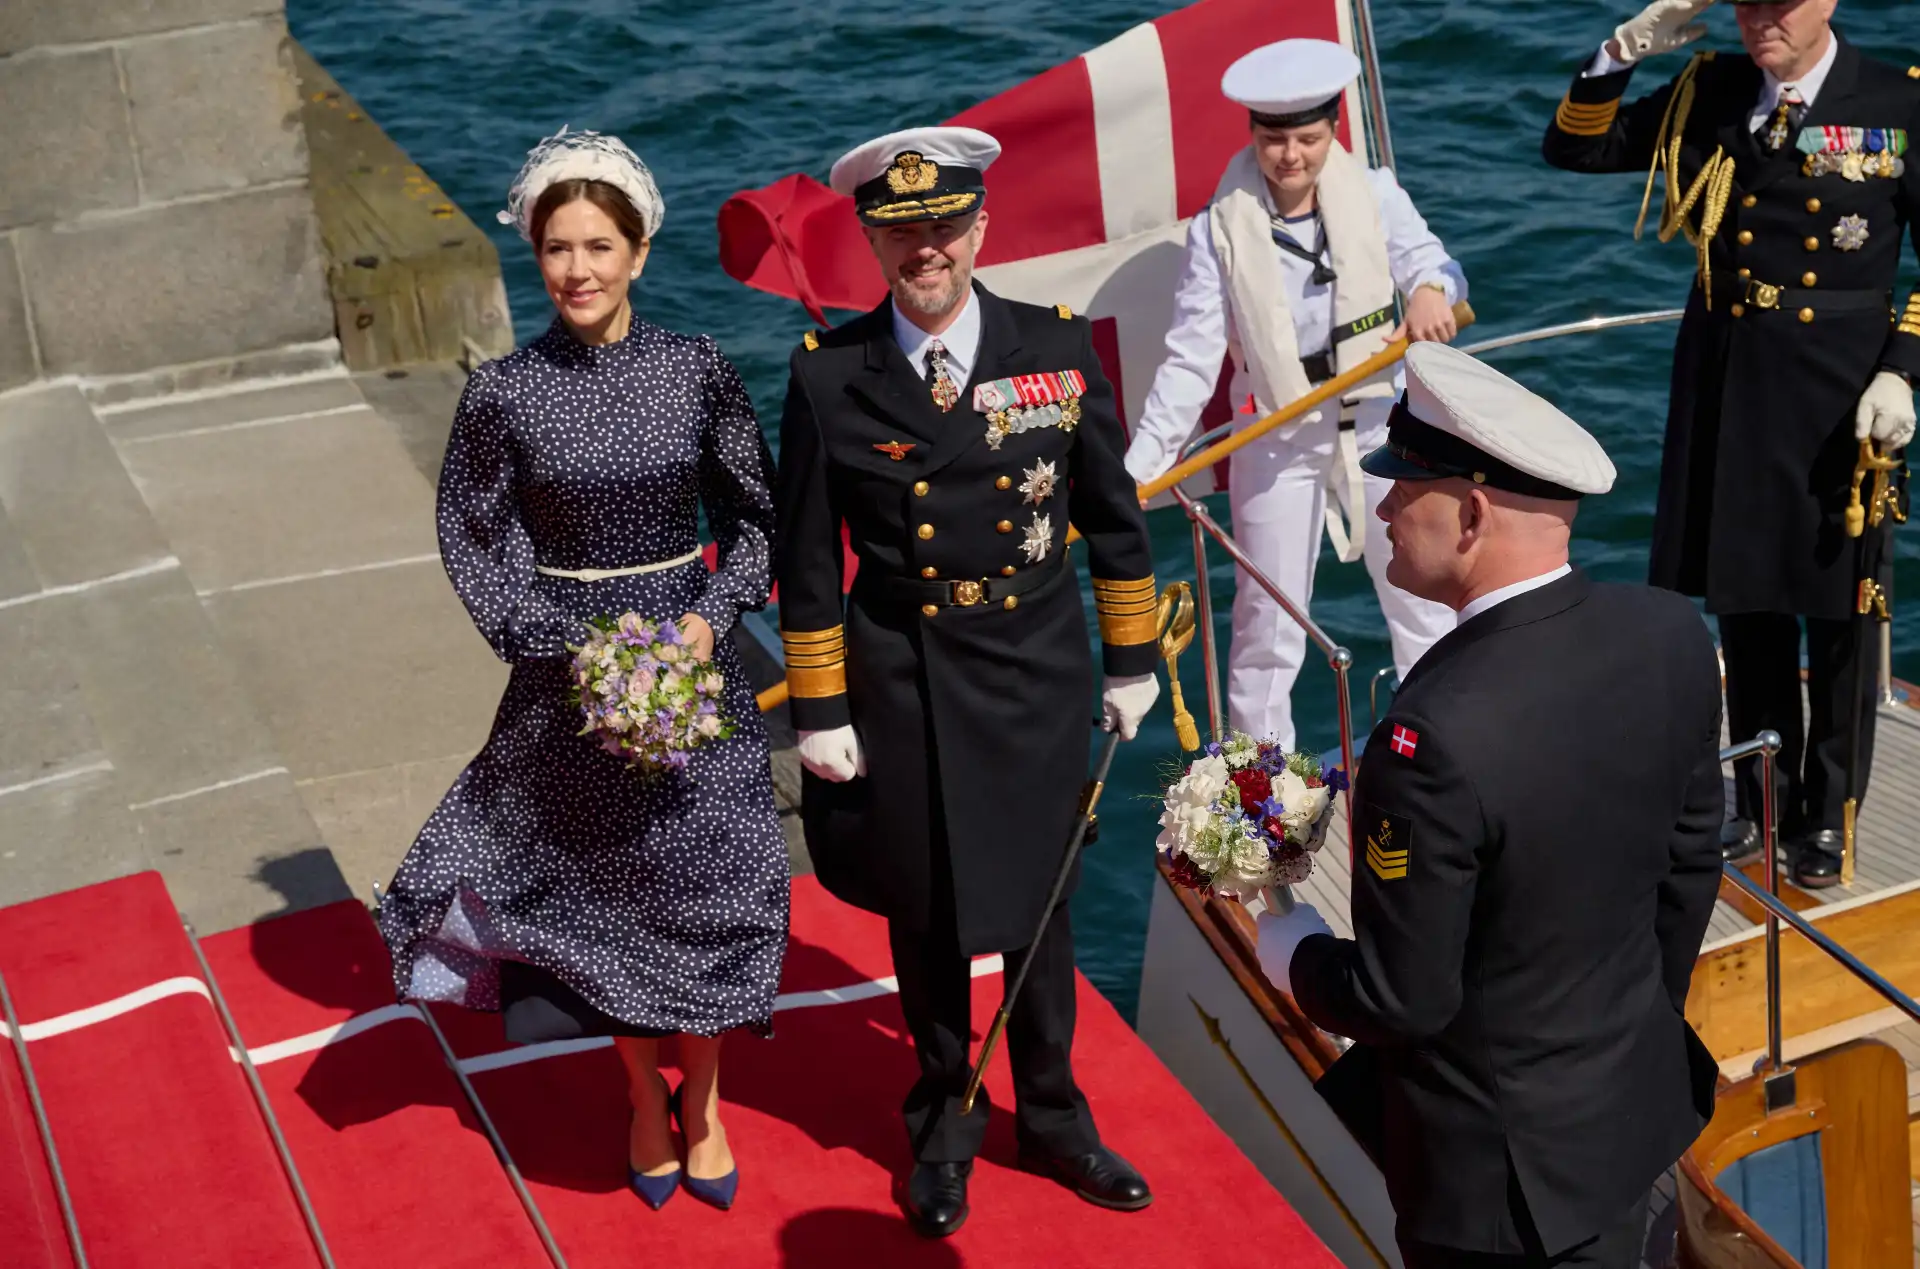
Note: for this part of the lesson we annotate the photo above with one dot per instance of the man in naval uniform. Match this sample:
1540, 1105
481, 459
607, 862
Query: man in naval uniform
1540, 816
943, 712
1785, 361
1292, 269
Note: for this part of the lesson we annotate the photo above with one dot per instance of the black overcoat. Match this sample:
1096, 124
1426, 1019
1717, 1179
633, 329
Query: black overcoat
1537, 837
1760, 449
975, 720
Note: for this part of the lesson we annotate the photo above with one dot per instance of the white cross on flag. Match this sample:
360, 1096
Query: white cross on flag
1106, 158
1404, 741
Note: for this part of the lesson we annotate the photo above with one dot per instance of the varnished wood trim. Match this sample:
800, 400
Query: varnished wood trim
1229, 932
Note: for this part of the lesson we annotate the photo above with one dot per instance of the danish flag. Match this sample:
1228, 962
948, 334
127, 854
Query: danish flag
1404, 741
1107, 157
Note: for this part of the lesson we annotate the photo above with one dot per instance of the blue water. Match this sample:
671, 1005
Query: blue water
723, 97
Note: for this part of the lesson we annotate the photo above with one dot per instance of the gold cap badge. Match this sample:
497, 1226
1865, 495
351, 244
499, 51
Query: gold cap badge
912, 173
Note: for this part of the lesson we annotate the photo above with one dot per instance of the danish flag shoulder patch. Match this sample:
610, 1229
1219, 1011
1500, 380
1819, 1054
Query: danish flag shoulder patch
1405, 741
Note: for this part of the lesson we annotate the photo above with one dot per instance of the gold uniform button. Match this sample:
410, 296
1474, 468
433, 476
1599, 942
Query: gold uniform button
929, 572
929, 610
1749, 201
1013, 602
1746, 236
1005, 526
920, 487
1813, 244
1005, 482
1739, 310
1809, 279
1813, 205
1008, 571
1746, 273
1806, 314
926, 532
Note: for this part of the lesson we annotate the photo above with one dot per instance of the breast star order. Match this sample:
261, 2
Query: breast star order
1039, 539
1850, 234
1040, 482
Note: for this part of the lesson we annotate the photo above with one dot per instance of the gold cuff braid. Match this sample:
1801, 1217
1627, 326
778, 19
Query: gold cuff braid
1127, 611
816, 662
1588, 119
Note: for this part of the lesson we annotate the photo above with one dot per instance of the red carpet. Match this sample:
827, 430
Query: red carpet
401, 1175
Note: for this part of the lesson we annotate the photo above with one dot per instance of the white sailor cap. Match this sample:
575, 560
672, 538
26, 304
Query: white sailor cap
1291, 83
1463, 418
916, 174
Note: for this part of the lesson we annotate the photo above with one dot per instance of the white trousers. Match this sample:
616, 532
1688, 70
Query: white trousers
1284, 543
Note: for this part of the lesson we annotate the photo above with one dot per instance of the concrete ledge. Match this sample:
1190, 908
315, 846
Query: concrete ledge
18, 363
167, 417
234, 274
64, 148
77, 515
26, 24
292, 361
215, 109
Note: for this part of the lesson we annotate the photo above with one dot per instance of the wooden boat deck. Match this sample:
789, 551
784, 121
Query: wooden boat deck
1887, 857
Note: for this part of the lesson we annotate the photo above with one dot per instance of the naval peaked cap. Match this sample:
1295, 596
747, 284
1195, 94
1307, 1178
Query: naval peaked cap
1463, 418
916, 174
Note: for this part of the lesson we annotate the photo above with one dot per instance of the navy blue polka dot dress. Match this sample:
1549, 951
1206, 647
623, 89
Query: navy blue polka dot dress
626, 902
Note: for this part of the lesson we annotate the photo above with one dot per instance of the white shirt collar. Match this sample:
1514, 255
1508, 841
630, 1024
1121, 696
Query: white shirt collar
961, 340
1494, 598
1809, 84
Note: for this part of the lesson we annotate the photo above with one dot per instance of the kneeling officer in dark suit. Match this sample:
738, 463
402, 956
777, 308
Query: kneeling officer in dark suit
943, 715
1537, 830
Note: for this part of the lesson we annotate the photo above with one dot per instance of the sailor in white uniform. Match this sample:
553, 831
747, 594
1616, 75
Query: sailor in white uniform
1293, 269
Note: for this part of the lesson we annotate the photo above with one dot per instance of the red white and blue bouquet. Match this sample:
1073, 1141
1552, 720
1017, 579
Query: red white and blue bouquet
1245, 815
643, 694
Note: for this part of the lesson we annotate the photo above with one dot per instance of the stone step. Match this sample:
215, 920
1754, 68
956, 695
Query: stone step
128, 738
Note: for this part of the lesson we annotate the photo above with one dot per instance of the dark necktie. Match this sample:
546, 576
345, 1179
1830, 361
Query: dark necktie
945, 395
1323, 274
1786, 118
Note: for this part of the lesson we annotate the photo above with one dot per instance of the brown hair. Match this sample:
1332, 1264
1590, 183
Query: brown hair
607, 198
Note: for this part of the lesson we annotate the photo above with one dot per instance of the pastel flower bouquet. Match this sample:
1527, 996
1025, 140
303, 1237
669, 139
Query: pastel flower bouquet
1246, 815
643, 694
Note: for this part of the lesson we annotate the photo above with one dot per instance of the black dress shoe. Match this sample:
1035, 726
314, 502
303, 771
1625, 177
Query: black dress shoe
1739, 841
936, 1199
1816, 860
1099, 1176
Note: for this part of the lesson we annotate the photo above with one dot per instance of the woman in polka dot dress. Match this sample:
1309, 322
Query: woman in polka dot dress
553, 883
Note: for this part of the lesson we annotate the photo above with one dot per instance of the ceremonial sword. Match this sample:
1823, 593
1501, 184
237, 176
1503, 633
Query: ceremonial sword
1870, 605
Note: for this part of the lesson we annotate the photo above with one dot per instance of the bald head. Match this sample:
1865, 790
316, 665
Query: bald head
1454, 540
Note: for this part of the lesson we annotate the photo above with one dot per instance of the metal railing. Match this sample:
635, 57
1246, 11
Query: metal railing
1767, 746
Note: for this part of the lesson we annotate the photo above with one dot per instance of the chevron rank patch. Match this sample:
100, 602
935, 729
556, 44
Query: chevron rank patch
1389, 845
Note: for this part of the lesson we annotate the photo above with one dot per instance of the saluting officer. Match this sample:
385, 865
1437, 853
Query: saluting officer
943, 718
1794, 182
1540, 813
1292, 271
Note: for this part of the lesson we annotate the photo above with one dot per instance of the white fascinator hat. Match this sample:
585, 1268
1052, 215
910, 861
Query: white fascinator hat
583, 156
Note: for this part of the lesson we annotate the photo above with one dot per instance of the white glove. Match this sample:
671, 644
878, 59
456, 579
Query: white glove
1281, 936
834, 756
1885, 412
1661, 27
1126, 700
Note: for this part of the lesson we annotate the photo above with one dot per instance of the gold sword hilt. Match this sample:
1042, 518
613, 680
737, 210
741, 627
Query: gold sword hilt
1883, 496
1174, 620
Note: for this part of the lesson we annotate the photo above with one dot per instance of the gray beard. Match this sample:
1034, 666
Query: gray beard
915, 302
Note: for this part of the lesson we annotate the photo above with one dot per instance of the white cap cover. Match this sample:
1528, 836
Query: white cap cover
1462, 417
1293, 77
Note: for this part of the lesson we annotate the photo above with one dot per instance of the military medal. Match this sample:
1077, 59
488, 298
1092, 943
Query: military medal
1853, 165
1853, 153
1026, 402
1039, 539
1850, 234
945, 395
1039, 483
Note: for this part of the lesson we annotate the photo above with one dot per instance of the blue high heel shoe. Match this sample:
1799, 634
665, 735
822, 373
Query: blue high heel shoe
719, 1191
654, 1191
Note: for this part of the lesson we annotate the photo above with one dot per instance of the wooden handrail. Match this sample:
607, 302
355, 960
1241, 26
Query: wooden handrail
1463, 315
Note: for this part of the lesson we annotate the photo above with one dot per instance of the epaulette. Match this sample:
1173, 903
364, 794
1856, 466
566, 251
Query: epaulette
811, 339
1066, 314
1913, 72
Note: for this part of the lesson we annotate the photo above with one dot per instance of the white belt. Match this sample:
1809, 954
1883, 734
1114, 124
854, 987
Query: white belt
1347, 491
601, 574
